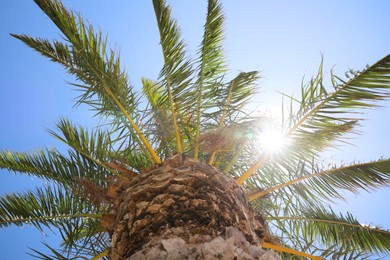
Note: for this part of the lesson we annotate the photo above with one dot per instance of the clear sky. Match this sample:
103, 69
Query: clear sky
283, 39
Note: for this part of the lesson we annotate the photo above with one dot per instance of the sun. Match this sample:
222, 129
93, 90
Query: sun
273, 141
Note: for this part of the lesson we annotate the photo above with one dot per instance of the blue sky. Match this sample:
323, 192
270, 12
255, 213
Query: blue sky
283, 39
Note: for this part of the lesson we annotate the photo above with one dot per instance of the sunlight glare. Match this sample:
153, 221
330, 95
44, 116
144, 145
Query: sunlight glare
273, 141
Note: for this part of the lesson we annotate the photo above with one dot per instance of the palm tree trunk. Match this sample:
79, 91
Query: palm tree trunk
183, 209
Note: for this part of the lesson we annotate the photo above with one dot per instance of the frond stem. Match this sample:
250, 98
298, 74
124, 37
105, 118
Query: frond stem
173, 111
151, 151
289, 250
170, 98
101, 255
240, 180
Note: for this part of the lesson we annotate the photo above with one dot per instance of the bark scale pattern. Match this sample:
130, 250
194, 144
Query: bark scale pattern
185, 200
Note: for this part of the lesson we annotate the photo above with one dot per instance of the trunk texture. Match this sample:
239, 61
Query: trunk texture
183, 209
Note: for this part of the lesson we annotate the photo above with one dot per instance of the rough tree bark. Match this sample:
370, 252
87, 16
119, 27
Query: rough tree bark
183, 209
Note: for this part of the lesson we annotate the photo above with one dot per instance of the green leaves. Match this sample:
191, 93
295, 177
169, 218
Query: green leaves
297, 179
43, 207
211, 63
72, 213
160, 117
360, 176
233, 96
342, 232
53, 166
87, 58
105, 86
324, 117
175, 75
326, 183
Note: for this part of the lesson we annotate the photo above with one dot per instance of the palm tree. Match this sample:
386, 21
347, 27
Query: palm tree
171, 170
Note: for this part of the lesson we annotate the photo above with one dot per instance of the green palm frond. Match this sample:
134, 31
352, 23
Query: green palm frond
72, 214
232, 97
345, 252
327, 183
329, 228
58, 254
160, 118
51, 165
176, 73
154, 94
48, 207
88, 59
96, 149
84, 238
55, 254
211, 63
230, 100
91, 158
326, 117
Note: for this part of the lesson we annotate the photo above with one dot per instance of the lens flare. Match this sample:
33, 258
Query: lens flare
273, 141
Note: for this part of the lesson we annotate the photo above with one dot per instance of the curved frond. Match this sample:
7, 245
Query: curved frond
55, 254
95, 149
328, 183
329, 228
59, 254
231, 98
176, 73
211, 63
88, 59
159, 121
84, 238
325, 117
51, 165
44, 207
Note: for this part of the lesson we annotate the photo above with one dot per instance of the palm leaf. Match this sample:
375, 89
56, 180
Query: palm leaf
52, 165
211, 63
329, 228
328, 183
160, 120
334, 113
56, 254
176, 73
91, 63
232, 97
92, 158
77, 220
44, 207
84, 238
95, 149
